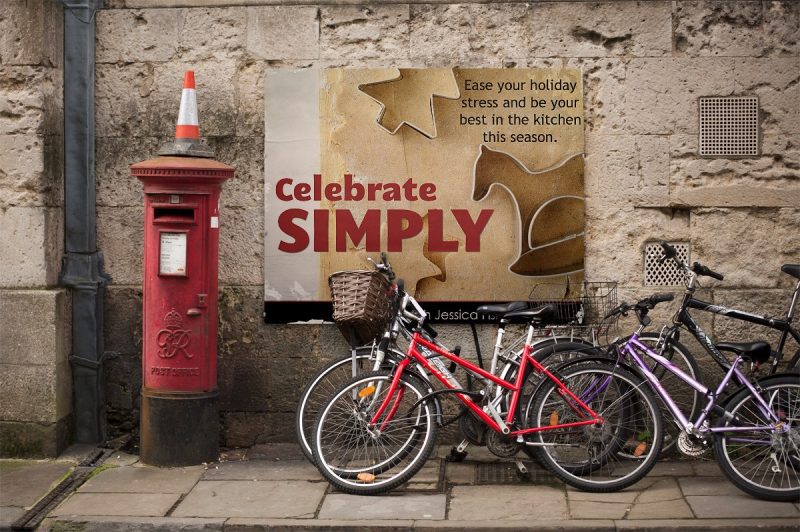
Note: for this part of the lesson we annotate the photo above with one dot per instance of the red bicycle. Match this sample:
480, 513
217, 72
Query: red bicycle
594, 424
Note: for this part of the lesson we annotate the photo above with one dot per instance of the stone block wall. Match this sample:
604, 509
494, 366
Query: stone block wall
36, 398
644, 64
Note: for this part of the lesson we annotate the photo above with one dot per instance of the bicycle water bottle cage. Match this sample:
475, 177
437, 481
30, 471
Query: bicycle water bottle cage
543, 315
757, 351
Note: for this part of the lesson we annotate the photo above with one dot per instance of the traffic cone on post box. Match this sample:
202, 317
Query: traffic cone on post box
180, 415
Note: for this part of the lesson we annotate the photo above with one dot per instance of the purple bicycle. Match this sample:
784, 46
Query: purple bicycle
755, 432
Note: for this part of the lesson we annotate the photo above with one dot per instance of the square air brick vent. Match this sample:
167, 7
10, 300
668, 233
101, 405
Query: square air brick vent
729, 127
667, 273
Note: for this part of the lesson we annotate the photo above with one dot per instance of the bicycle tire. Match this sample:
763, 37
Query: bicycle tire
357, 460
687, 398
509, 372
763, 463
589, 362
632, 418
319, 389
394, 459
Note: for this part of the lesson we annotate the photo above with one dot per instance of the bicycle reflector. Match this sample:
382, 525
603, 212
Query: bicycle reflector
363, 392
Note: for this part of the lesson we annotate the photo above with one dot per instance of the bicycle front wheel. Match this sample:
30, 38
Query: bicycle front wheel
358, 457
763, 461
617, 451
320, 388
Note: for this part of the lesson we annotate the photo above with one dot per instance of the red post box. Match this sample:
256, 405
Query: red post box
180, 415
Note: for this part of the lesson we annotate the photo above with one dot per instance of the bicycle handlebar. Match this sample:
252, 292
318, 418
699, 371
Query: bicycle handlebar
671, 253
699, 269
416, 313
383, 266
655, 299
642, 306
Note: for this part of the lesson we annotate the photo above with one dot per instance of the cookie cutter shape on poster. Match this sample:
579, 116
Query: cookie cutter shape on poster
561, 182
442, 91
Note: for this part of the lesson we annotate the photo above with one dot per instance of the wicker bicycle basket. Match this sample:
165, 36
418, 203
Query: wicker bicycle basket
361, 305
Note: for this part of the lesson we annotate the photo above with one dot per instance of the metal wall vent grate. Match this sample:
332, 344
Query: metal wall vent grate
729, 127
666, 274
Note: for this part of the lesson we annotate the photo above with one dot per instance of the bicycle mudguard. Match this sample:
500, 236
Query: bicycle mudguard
598, 358
542, 352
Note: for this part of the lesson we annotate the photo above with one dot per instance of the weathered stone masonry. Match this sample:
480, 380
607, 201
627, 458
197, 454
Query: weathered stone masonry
644, 63
35, 404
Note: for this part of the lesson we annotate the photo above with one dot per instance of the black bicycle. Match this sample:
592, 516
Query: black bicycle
683, 318
667, 343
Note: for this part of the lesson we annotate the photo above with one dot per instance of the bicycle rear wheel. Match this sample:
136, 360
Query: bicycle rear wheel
543, 350
763, 462
685, 397
611, 455
362, 459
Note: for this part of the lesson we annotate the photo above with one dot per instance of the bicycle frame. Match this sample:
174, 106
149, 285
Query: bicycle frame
633, 347
783, 325
493, 419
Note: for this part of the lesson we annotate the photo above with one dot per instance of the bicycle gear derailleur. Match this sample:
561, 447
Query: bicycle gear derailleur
691, 445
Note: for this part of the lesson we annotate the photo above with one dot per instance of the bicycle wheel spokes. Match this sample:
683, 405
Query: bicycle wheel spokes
357, 456
764, 461
319, 390
611, 454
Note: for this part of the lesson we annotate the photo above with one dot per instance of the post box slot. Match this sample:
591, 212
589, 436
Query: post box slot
173, 214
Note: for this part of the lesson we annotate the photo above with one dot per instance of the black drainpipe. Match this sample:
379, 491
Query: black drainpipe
82, 264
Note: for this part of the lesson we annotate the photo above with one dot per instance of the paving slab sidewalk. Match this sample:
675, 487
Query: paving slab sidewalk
23, 482
273, 488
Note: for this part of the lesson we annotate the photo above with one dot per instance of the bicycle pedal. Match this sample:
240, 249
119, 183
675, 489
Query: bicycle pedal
456, 455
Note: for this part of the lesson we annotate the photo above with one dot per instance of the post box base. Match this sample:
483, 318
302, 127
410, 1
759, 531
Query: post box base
179, 429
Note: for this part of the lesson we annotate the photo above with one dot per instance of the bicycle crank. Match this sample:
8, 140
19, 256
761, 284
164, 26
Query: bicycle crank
501, 445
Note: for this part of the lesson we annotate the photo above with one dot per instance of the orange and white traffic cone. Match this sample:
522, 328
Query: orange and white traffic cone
187, 130
188, 127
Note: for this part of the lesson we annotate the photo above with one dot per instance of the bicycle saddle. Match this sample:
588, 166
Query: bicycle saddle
542, 315
500, 310
791, 269
756, 351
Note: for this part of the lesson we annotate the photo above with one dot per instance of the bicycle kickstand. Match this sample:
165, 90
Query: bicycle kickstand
458, 454
522, 469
